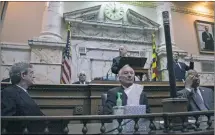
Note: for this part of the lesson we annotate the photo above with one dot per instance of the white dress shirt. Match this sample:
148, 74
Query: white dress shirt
127, 90
133, 93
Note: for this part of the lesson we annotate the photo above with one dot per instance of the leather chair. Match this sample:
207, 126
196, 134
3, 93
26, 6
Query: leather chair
104, 98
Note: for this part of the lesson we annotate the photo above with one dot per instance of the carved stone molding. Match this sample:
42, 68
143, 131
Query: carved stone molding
90, 13
173, 8
20, 46
200, 58
95, 28
137, 19
161, 51
35, 42
192, 12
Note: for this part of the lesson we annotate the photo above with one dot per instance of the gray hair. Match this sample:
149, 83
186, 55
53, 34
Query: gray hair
120, 71
16, 70
190, 72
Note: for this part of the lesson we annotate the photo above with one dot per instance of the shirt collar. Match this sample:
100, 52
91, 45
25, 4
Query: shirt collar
127, 87
191, 89
22, 88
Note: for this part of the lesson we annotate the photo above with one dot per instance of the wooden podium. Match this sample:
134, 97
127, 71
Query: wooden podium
137, 63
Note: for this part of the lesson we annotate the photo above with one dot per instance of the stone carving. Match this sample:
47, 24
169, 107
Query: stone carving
136, 29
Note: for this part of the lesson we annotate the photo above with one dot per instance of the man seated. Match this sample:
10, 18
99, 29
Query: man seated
82, 78
129, 90
199, 98
16, 101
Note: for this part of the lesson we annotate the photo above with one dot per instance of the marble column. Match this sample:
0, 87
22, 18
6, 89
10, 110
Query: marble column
52, 18
46, 50
164, 6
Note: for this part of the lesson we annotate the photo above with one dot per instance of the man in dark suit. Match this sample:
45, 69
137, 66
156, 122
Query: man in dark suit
16, 101
199, 98
115, 65
126, 78
180, 68
208, 39
82, 78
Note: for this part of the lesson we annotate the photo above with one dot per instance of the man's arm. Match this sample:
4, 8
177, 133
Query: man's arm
204, 38
144, 100
191, 66
110, 103
114, 67
8, 104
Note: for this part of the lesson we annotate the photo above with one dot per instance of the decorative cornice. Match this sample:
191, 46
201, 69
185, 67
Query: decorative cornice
144, 20
173, 8
38, 43
20, 46
110, 39
200, 58
192, 12
83, 13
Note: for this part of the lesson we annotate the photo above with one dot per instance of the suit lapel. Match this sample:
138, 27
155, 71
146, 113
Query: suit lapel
204, 96
194, 100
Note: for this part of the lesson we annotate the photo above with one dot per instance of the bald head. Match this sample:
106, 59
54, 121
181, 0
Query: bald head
126, 76
82, 76
122, 51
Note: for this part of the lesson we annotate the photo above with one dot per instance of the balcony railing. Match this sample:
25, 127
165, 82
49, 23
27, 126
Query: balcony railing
158, 123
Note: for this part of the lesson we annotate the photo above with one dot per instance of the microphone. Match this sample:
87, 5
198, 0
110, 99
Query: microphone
107, 75
172, 82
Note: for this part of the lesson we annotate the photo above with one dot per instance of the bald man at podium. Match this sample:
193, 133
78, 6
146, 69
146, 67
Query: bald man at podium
115, 65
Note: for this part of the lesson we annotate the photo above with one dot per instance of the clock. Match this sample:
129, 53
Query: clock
114, 11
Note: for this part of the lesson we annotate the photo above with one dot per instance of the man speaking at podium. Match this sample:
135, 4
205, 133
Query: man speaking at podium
122, 53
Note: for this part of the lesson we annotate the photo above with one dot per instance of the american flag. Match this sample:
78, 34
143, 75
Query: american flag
67, 61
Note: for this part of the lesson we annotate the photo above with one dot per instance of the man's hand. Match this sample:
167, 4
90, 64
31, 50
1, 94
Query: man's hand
189, 81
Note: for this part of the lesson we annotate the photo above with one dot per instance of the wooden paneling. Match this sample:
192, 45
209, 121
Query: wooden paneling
62, 99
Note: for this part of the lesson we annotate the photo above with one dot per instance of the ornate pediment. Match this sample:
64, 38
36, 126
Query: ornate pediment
137, 19
85, 14
89, 23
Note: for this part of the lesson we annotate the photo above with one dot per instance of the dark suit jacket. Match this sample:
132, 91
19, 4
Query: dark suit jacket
112, 97
180, 72
115, 65
209, 44
207, 95
80, 83
16, 102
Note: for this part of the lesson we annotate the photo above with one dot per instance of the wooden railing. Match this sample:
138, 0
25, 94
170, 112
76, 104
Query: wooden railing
72, 99
158, 123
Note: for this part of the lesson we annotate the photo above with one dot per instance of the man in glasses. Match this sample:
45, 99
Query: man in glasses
82, 78
199, 98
